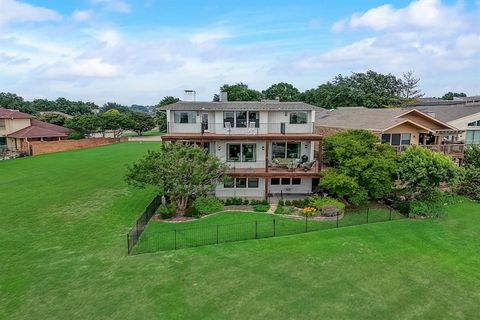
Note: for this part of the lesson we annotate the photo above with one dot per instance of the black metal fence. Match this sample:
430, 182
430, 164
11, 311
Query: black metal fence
179, 237
136, 231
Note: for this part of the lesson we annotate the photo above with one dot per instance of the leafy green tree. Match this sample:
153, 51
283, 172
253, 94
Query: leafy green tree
240, 92
12, 101
450, 95
470, 184
285, 91
361, 167
178, 170
85, 124
114, 121
370, 89
160, 115
472, 156
113, 105
141, 122
53, 118
410, 88
422, 170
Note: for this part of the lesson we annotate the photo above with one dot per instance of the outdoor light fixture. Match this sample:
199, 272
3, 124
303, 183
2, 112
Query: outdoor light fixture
263, 148
219, 148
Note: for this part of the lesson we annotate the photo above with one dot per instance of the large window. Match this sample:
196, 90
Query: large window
285, 181
286, 150
242, 183
406, 139
298, 117
2, 124
244, 152
229, 117
184, 117
241, 119
473, 137
397, 139
474, 124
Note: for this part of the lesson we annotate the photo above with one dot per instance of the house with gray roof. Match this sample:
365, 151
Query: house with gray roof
399, 127
270, 146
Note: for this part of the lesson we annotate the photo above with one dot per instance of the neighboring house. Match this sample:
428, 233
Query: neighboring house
18, 129
270, 146
463, 117
398, 127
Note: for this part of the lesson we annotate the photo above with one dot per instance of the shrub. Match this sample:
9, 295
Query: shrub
472, 157
75, 136
246, 202
470, 185
288, 203
207, 205
255, 202
261, 207
167, 211
301, 203
280, 209
281, 202
426, 208
235, 201
319, 202
330, 211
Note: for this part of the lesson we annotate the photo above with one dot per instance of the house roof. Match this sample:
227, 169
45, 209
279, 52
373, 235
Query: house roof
450, 113
40, 129
239, 105
369, 119
434, 102
13, 114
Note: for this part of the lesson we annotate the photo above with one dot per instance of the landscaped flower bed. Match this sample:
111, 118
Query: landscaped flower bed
314, 207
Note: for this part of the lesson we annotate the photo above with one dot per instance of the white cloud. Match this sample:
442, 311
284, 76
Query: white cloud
81, 15
113, 5
209, 36
16, 11
92, 68
417, 14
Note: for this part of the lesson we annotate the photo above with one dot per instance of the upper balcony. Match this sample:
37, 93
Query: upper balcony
241, 131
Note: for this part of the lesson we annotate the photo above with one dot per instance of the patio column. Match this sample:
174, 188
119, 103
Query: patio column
266, 188
266, 157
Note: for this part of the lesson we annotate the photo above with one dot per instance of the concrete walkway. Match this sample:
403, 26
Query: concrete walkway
145, 138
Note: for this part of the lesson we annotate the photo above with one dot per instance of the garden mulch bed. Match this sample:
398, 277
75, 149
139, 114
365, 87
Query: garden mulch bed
239, 208
157, 217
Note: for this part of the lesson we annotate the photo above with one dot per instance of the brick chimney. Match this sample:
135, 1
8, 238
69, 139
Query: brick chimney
277, 99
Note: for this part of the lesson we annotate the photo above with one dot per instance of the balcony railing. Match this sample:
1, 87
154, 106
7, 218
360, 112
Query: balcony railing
448, 149
285, 166
252, 127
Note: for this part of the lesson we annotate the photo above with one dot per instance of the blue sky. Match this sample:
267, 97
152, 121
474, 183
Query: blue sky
139, 51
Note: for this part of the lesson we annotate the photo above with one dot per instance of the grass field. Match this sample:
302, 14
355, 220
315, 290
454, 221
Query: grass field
63, 221
235, 226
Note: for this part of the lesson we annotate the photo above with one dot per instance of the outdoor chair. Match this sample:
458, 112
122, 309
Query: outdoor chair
307, 165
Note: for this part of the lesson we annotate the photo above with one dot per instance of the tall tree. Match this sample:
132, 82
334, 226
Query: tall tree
114, 121
241, 92
116, 106
410, 89
85, 124
178, 170
360, 167
370, 89
450, 95
160, 115
285, 91
422, 170
141, 122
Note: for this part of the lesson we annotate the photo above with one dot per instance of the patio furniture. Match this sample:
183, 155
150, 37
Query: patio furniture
286, 163
307, 165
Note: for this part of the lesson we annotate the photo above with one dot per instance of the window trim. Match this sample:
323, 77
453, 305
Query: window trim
257, 180
247, 185
236, 183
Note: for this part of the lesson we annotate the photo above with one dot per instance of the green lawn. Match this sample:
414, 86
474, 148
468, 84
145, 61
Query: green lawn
64, 219
236, 226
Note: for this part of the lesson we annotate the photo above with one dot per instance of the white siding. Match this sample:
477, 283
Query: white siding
252, 193
462, 124
304, 188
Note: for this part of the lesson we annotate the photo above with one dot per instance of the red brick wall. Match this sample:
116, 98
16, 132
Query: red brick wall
39, 147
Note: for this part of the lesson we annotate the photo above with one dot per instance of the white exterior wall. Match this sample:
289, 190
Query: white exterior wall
255, 193
278, 117
304, 188
462, 124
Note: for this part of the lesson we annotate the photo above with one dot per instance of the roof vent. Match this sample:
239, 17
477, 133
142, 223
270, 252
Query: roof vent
431, 114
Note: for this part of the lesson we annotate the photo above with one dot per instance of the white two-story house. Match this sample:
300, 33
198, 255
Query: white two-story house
270, 146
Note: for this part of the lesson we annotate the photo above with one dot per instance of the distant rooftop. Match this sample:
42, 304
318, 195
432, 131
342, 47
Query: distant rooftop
13, 114
451, 112
268, 105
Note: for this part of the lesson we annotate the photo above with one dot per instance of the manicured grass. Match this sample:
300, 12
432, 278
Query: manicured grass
64, 219
236, 226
